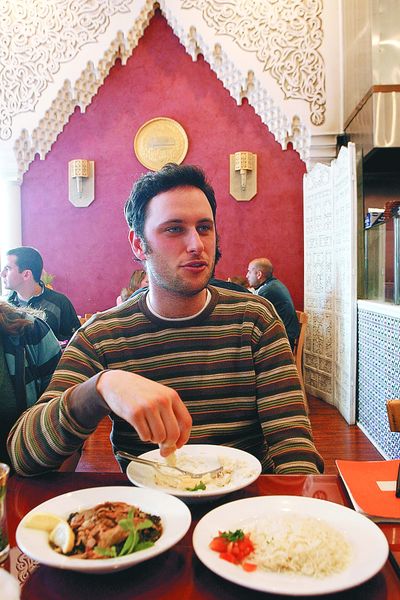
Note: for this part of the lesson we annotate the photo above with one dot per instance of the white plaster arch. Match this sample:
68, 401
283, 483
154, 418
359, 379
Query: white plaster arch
75, 81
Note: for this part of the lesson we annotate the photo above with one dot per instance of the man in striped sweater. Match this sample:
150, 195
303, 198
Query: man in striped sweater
181, 362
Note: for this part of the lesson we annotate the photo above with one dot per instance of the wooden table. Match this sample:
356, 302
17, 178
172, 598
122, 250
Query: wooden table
177, 574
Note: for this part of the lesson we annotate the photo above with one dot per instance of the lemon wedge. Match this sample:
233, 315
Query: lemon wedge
43, 521
63, 536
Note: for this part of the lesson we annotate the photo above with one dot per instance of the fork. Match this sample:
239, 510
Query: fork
160, 466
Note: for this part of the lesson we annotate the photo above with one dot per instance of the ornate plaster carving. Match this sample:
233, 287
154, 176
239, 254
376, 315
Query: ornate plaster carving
239, 85
285, 37
329, 281
28, 64
68, 97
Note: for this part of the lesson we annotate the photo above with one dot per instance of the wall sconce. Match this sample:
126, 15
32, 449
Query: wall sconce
243, 175
81, 182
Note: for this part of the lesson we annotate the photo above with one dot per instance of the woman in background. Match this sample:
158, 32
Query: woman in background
138, 280
29, 353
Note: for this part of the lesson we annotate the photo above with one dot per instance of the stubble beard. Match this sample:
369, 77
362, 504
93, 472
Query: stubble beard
163, 278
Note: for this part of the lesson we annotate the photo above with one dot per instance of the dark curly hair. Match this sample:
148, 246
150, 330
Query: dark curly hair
153, 183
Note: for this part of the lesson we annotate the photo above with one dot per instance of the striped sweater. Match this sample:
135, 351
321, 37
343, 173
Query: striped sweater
231, 365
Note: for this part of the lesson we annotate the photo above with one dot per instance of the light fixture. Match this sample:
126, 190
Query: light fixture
243, 175
81, 182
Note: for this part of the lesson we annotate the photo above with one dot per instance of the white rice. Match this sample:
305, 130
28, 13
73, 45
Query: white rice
297, 544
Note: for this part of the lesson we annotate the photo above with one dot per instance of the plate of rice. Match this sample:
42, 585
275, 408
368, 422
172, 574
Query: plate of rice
302, 546
239, 470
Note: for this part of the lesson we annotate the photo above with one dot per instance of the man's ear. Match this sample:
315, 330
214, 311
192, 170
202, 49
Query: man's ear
136, 245
27, 274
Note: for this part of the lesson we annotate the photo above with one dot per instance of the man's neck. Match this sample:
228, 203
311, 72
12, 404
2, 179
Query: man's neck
176, 306
259, 284
29, 290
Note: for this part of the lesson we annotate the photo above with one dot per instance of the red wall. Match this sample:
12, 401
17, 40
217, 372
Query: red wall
87, 248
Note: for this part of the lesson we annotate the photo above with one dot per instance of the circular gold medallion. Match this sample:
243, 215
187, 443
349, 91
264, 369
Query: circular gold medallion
160, 141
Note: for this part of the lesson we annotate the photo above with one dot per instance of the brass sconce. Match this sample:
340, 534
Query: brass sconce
243, 175
81, 182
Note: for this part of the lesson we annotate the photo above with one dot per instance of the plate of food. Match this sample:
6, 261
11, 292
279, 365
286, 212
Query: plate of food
290, 545
239, 469
102, 529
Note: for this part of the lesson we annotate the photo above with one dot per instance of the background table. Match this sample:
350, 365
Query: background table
177, 574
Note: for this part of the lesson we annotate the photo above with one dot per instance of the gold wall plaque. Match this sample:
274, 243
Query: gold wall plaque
160, 141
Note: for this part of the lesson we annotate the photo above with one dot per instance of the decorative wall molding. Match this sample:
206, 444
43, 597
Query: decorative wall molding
240, 85
285, 37
85, 88
37, 37
243, 85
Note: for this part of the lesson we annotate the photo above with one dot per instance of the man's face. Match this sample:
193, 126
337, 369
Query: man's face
252, 275
12, 278
179, 241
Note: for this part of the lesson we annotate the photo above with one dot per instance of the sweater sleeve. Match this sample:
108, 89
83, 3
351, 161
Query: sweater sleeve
53, 428
281, 408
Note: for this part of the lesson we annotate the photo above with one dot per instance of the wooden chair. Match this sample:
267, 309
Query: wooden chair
85, 318
71, 462
393, 412
298, 350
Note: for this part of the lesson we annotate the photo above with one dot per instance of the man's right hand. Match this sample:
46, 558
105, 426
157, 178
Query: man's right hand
154, 410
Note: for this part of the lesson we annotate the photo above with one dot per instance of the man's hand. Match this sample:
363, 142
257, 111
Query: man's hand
154, 410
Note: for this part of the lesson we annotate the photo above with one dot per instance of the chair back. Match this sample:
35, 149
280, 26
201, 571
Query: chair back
85, 318
298, 349
393, 412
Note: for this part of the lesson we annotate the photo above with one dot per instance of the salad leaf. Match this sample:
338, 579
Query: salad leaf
109, 552
132, 542
199, 486
232, 536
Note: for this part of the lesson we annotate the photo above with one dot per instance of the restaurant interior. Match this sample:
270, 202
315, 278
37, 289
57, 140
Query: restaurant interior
291, 107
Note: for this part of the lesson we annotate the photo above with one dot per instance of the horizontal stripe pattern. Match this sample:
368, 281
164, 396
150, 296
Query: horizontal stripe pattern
231, 365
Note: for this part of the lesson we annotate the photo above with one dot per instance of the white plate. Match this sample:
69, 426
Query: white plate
9, 586
175, 518
143, 475
368, 543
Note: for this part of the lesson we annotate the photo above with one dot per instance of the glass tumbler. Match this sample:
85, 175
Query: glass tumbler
4, 545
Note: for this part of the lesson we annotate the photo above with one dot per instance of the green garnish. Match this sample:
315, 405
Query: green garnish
109, 552
199, 486
133, 543
233, 536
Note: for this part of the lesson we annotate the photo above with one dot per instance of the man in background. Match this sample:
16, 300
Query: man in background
260, 277
21, 275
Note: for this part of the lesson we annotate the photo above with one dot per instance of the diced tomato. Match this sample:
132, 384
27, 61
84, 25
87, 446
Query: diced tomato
249, 567
219, 544
234, 551
229, 557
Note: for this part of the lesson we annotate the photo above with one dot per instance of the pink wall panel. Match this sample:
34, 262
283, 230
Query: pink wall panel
87, 248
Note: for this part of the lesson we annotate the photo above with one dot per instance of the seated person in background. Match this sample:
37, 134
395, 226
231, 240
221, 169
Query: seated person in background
239, 280
177, 354
228, 285
138, 280
29, 353
259, 276
21, 275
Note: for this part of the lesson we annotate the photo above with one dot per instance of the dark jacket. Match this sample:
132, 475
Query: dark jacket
277, 293
60, 314
29, 362
31, 359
